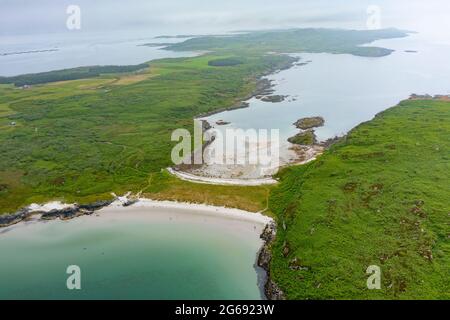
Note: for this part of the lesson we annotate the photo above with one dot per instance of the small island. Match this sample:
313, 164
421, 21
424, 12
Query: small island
307, 136
309, 123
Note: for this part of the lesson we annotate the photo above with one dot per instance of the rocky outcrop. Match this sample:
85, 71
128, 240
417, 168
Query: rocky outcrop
96, 205
205, 126
67, 213
309, 123
274, 98
273, 292
10, 219
130, 202
429, 97
271, 289
222, 123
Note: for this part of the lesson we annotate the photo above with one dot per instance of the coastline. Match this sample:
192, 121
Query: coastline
156, 210
221, 181
263, 86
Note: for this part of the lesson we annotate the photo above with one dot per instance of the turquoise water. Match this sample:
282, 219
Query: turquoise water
135, 258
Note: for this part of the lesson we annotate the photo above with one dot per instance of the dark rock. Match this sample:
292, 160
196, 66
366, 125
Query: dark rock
130, 202
222, 123
269, 232
64, 214
205, 125
271, 290
274, 98
10, 219
96, 205
264, 257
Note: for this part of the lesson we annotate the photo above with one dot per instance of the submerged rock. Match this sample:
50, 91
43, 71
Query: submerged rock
222, 123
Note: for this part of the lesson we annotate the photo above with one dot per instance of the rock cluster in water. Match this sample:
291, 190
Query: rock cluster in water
307, 136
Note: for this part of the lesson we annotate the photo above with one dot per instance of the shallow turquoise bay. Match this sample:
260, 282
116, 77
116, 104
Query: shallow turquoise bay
136, 258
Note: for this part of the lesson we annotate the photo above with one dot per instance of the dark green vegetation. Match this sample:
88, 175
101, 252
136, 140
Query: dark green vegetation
295, 40
227, 62
305, 138
380, 197
68, 74
80, 140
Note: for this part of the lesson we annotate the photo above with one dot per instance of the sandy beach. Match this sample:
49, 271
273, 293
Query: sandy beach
158, 211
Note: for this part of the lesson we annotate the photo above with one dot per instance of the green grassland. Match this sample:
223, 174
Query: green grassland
80, 140
381, 197
68, 74
296, 40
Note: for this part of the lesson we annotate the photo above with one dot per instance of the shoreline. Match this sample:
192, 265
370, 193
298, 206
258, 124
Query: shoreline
57, 210
263, 87
187, 210
220, 181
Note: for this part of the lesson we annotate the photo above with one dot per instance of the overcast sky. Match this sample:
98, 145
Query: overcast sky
209, 16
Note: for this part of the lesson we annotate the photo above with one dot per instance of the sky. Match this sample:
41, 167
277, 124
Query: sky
27, 17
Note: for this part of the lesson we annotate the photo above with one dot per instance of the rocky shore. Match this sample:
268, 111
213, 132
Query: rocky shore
429, 97
66, 213
271, 289
264, 87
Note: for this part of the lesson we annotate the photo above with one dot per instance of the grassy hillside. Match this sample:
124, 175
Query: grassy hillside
381, 197
80, 140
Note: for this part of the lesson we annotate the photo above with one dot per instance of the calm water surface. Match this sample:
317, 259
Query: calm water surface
347, 90
132, 255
